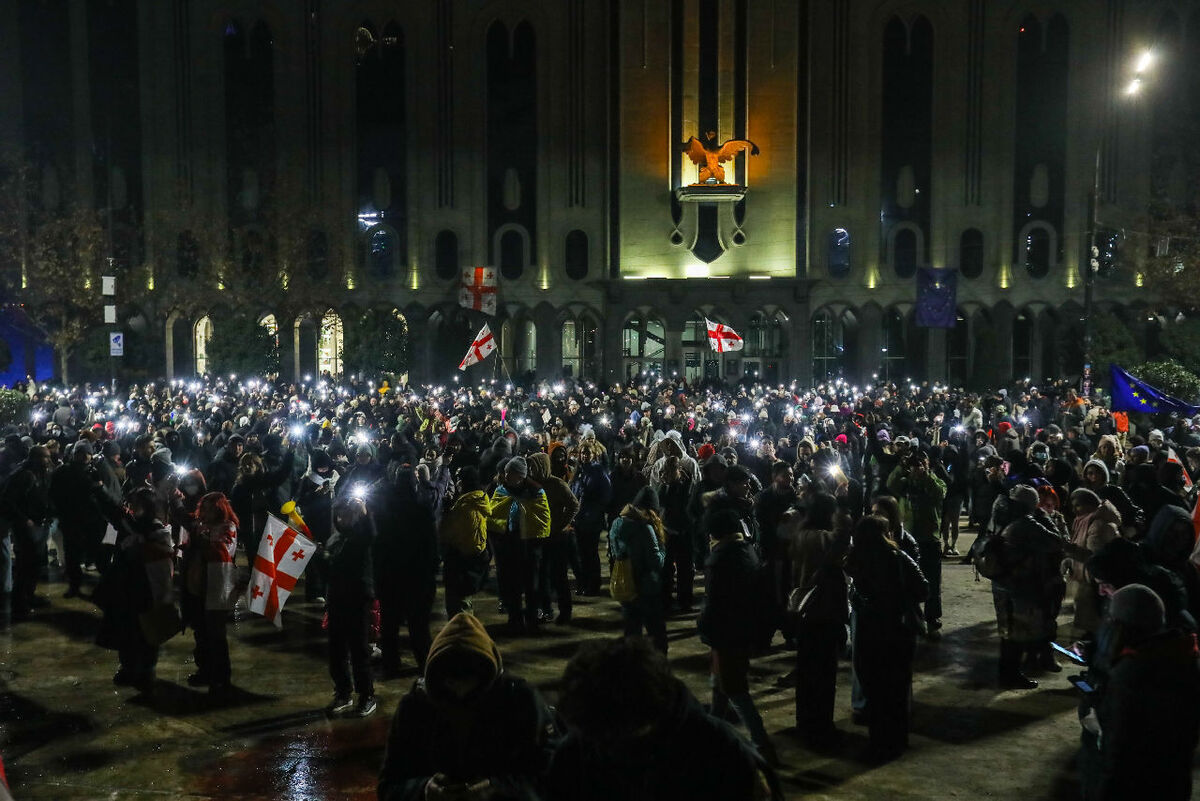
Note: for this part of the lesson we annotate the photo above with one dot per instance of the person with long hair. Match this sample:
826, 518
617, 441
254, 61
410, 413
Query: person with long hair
208, 588
252, 497
638, 535
887, 586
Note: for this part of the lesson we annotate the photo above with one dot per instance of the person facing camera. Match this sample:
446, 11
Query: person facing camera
467, 729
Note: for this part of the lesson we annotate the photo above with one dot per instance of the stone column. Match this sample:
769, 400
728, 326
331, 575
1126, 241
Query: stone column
798, 356
549, 343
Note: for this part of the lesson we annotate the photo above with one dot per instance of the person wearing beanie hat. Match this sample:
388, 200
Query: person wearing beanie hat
638, 536
734, 620
470, 729
519, 523
1028, 595
1142, 725
705, 451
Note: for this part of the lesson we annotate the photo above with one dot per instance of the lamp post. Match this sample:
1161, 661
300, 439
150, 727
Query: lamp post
1141, 67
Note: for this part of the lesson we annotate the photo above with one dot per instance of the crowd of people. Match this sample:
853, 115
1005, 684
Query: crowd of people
819, 515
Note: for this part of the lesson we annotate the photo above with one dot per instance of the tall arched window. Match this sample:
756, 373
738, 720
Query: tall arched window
201, 334
381, 253
838, 259
970, 253
445, 255
381, 132
828, 346
512, 134
513, 255
579, 343
643, 344
1037, 251
249, 118
329, 347
518, 345
905, 253
577, 255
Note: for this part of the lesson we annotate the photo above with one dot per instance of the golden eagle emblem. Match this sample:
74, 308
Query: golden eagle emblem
709, 156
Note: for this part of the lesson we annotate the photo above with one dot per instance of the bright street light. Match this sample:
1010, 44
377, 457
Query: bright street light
1134, 86
1144, 61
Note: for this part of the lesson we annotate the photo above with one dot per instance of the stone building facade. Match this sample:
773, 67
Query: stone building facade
543, 138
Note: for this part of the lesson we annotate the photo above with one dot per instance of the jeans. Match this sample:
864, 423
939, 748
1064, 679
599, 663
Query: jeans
407, 600
517, 568
587, 544
647, 613
678, 565
349, 653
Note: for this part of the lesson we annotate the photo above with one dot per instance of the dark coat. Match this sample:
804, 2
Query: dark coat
1149, 713
736, 608
351, 571
503, 735
593, 489
692, 755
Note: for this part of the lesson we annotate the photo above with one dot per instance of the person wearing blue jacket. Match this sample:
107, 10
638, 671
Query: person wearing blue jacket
593, 489
638, 535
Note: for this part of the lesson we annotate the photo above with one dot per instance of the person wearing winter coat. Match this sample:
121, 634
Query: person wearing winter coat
815, 557
555, 551
464, 542
593, 489
638, 535
1029, 593
518, 525
315, 501
679, 566
987, 482
887, 586
26, 503
636, 733
731, 622
406, 507
921, 495
72, 493
140, 578
1098, 479
1169, 543
1142, 724
627, 482
467, 729
252, 498
1095, 525
208, 589
351, 596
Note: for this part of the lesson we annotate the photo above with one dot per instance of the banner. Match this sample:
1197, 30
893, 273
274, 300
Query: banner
937, 298
1131, 395
477, 290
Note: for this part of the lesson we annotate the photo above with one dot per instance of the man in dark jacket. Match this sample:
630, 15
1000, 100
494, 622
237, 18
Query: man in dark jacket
72, 488
406, 559
593, 489
1141, 726
563, 508
467, 729
222, 472
637, 733
351, 594
26, 504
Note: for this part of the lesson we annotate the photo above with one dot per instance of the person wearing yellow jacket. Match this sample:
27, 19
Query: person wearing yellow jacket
464, 540
518, 524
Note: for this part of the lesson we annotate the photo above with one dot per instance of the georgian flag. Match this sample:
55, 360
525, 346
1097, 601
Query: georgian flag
722, 338
1174, 457
282, 556
477, 289
480, 349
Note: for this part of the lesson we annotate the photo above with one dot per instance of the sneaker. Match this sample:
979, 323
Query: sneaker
366, 707
340, 705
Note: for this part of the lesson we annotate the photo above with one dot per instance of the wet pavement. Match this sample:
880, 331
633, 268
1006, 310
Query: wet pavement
67, 733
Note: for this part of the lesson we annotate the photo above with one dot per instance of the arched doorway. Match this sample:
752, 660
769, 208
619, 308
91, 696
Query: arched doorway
643, 346
201, 335
329, 346
580, 340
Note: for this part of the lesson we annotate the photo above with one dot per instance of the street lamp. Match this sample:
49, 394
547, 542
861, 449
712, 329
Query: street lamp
1144, 61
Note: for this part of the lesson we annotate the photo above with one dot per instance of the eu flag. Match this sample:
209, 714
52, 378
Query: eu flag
936, 298
1131, 395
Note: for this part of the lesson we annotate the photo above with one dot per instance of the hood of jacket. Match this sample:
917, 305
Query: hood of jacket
539, 466
464, 636
1159, 539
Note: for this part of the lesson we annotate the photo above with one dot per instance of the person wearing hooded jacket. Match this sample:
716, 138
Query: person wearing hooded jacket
464, 542
1169, 543
1094, 526
351, 596
638, 535
1141, 726
518, 524
636, 733
467, 729
555, 551
1098, 479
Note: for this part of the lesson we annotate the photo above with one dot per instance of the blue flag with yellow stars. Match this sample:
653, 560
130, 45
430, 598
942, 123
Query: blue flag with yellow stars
1131, 395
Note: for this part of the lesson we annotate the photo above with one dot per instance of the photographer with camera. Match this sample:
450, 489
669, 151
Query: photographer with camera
921, 495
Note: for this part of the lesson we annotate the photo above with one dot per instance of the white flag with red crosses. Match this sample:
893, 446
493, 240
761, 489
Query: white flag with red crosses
282, 556
722, 338
480, 349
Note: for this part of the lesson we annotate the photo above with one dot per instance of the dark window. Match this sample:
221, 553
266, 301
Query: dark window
904, 253
187, 255
512, 254
381, 253
1037, 252
249, 119
318, 255
445, 255
381, 131
839, 253
577, 255
970, 253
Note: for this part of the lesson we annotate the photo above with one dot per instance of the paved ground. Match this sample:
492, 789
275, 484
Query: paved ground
67, 733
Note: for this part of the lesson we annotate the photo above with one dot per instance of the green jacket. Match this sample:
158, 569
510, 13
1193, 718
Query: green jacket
920, 502
635, 538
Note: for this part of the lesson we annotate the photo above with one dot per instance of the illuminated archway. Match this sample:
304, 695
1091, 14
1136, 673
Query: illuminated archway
201, 335
329, 346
